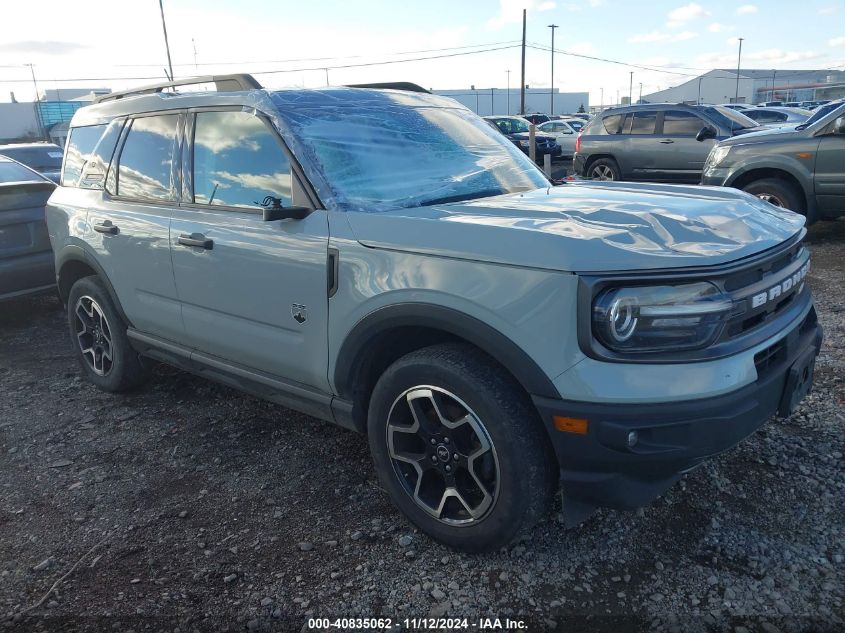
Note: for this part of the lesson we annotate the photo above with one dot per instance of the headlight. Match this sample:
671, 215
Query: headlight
524, 143
660, 318
717, 155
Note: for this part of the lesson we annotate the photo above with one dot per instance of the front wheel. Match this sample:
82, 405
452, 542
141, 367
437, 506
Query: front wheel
459, 447
778, 192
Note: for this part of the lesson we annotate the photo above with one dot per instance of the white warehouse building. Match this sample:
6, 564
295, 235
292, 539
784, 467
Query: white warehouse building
499, 101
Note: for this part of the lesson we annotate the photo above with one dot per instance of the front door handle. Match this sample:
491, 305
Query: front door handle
107, 227
196, 239
667, 141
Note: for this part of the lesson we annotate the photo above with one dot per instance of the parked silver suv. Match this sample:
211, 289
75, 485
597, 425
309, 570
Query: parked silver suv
385, 260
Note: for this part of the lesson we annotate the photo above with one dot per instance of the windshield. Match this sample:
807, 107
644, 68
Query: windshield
821, 112
512, 126
728, 118
377, 150
46, 158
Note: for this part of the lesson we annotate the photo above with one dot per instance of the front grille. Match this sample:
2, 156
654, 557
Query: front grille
769, 357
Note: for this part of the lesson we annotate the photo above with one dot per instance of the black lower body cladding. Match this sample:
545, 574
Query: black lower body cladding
632, 453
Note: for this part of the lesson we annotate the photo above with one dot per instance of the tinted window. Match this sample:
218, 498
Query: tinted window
146, 161
643, 122
12, 172
612, 123
80, 144
238, 161
95, 167
681, 123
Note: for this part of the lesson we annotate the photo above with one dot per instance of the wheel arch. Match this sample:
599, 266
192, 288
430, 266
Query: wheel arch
592, 158
72, 264
388, 333
745, 177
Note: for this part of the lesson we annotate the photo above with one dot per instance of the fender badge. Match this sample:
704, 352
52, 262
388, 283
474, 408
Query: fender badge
298, 312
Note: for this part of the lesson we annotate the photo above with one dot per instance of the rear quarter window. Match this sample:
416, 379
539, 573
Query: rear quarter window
613, 123
80, 143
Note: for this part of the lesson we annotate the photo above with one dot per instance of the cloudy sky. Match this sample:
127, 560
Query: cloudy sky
119, 43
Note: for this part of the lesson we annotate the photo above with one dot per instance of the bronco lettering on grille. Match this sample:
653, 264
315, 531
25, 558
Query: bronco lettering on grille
781, 289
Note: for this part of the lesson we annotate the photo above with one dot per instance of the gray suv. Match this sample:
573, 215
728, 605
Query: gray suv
666, 142
387, 261
800, 168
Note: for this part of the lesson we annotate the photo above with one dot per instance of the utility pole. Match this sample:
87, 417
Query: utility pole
631, 89
774, 74
492, 108
738, 62
509, 91
522, 82
166, 43
196, 66
698, 101
552, 90
601, 105
641, 93
35, 101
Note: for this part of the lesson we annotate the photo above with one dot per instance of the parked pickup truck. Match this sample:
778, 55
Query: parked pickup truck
387, 261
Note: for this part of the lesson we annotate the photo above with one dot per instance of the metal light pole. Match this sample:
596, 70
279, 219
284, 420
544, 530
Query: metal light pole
698, 101
522, 80
41, 130
631, 89
509, 91
552, 89
166, 43
738, 62
641, 93
601, 105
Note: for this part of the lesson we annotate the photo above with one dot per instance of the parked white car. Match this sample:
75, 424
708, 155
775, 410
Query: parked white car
563, 133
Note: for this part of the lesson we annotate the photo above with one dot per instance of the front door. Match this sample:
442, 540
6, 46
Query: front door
253, 292
679, 156
830, 174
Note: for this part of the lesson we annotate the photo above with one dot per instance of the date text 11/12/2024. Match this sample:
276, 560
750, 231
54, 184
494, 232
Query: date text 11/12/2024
421, 624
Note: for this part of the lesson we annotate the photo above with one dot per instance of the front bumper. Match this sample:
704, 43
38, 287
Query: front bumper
600, 469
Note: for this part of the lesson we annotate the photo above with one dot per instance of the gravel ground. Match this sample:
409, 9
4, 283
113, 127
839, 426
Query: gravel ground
189, 506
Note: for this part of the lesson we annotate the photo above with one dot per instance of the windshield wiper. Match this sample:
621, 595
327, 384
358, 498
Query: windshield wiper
486, 193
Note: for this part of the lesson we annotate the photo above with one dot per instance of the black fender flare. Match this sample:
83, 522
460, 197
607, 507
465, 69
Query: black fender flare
507, 353
72, 252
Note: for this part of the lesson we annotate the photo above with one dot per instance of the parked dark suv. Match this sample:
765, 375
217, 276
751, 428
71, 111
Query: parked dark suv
800, 168
656, 142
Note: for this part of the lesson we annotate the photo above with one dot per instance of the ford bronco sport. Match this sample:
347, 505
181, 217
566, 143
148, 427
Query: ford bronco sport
385, 260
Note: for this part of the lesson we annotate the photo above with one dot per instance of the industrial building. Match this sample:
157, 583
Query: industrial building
488, 101
755, 86
46, 119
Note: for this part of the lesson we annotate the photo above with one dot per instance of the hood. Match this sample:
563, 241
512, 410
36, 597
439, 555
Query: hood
763, 134
588, 227
749, 130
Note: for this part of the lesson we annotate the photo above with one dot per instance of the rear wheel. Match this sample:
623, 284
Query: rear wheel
604, 169
459, 447
778, 192
98, 336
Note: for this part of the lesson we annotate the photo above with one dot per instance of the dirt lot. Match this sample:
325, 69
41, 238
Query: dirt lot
189, 506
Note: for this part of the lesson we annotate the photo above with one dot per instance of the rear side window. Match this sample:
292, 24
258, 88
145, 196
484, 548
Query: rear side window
613, 123
641, 122
239, 161
145, 166
80, 144
95, 167
681, 123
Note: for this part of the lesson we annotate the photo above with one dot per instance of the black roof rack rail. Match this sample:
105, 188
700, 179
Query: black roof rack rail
223, 83
392, 85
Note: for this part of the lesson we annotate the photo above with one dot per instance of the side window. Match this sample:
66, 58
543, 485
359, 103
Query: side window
145, 166
612, 123
238, 161
644, 122
80, 144
681, 123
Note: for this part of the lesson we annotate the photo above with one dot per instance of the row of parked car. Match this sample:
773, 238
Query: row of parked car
795, 166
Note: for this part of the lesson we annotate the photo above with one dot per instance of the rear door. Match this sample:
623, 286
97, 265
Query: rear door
129, 229
638, 157
253, 292
830, 174
679, 157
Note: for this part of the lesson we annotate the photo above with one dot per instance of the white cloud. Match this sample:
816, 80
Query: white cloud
659, 36
510, 11
682, 15
716, 27
769, 56
827, 10
746, 9
837, 41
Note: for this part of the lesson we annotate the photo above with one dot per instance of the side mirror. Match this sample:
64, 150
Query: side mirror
706, 133
285, 213
839, 126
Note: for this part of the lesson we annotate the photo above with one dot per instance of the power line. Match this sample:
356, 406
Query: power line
288, 70
320, 59
540, 47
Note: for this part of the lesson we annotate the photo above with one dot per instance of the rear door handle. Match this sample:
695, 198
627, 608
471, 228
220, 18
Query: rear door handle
107, 227
667, 141
196, 239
